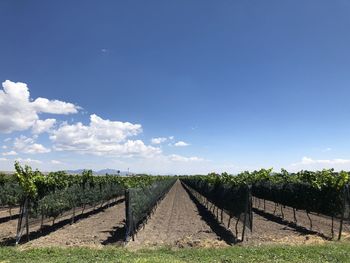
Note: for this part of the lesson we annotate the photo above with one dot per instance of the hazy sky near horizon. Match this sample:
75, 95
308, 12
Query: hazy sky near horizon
175, 86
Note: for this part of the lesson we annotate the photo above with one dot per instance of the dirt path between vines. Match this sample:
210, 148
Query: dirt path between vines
8, 224
176, 222
268, 229
103, 228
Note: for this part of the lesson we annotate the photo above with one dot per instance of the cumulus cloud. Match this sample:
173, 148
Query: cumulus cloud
27, 145
54, 106
158, 140
18, 112
9, 153
181, 144
41, 126
101, 137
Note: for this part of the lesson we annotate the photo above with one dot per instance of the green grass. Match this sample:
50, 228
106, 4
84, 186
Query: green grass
333, 252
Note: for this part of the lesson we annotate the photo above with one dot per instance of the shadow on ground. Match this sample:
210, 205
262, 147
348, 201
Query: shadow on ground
225, 234
116, 237
52, 228
300, 229
8, 218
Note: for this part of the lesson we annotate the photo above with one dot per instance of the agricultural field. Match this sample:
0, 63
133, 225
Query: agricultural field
252, 211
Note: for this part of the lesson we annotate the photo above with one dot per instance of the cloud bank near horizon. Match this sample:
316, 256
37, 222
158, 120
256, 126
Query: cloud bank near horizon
21, 115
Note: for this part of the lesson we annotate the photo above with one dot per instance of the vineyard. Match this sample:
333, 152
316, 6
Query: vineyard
205, 210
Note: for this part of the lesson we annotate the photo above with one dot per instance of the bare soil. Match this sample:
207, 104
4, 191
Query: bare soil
181, 220
8, 224
312, 228
102, 228
5, 212
177, 221
269, 228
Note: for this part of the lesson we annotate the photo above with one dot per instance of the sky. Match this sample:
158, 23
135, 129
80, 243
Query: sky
175, 87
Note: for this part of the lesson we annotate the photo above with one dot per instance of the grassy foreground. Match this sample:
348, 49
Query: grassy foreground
334, 252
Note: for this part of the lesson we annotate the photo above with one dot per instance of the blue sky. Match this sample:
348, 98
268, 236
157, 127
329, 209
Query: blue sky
236, 85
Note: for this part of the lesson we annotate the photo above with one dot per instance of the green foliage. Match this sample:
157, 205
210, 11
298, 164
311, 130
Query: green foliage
26, 178
226, 192
143, 199
11, 194
319, 191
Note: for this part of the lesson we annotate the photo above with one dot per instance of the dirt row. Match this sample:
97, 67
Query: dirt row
318, 224
182, 220
97, 230
87, 216
176, 222
266, 230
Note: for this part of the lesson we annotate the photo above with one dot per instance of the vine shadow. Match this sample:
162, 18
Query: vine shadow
225, 234
47, 229
301, 229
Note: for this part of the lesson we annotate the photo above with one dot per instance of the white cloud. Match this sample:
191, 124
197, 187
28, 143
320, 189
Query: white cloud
54, 106
179, 158
306, 160
56, 162
319, 164
7, 139
27, 145
4, 147
181, 144
158, 140
18, 112
28, 161
171, 137
3, 159
9, 153
102, 137
41, 126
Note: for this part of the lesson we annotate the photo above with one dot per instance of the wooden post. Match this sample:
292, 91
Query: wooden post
308, 216
332, 230
128, 226
27, 220
236, 226
250, 207
245, 214
294, 215
345, 191
264, 205
229, 222
19, 224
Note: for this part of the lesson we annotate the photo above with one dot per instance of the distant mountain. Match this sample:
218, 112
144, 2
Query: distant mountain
78, 171
100, 172
110, 171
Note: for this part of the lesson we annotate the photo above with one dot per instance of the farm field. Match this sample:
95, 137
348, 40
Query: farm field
164, 218
175, 131
96, 230
178, 221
